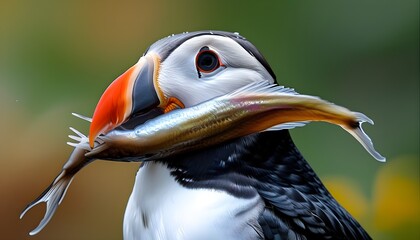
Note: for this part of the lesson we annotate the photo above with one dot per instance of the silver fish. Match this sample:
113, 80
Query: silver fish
254, 108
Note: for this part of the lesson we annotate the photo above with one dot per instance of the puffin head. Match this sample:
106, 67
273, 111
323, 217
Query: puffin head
179, 71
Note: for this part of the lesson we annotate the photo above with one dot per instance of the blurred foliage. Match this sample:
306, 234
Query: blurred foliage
393, 210
57, 57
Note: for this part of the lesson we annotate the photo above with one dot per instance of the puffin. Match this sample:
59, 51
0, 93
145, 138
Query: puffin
252, 187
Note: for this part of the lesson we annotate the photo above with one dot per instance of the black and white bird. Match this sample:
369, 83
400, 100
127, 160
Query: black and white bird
256, 186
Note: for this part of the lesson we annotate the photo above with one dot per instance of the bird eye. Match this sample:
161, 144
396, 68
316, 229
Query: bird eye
207, 61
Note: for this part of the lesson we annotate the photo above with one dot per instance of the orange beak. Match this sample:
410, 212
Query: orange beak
135, 91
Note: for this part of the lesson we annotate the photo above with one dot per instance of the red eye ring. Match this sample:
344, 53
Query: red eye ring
207, 61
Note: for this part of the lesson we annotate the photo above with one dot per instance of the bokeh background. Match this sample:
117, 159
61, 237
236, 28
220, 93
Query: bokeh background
57, 57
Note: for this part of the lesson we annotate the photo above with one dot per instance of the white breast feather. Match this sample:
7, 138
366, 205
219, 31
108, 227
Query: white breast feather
172, 211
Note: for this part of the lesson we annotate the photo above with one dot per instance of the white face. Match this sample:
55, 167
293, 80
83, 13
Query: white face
180, 75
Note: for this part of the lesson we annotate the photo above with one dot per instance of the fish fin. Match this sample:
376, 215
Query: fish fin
363, 138
82, 141
262, 87
81, 135
289, 125
82, 117
52, 196
75, 138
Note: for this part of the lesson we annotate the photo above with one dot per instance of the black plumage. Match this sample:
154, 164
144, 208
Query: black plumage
297, 204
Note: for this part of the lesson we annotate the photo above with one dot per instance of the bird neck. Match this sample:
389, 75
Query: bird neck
267, 158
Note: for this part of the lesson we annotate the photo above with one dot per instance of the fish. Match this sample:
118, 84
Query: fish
259, 106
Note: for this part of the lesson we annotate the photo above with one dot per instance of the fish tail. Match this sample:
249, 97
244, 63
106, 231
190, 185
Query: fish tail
55, 193
52, 196
363, 138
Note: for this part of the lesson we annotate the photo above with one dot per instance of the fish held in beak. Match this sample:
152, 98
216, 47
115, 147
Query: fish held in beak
257, 107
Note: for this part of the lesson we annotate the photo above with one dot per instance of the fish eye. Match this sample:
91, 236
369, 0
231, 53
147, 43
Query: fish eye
207, 61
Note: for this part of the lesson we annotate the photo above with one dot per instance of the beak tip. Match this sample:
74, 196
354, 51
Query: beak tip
94, 132
91, 143
113, 106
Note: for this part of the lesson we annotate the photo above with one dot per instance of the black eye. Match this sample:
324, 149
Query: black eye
207, 61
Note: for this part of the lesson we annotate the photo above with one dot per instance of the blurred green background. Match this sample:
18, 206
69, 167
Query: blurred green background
57, 57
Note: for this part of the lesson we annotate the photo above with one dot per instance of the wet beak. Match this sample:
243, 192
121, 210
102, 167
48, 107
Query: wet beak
134, 92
